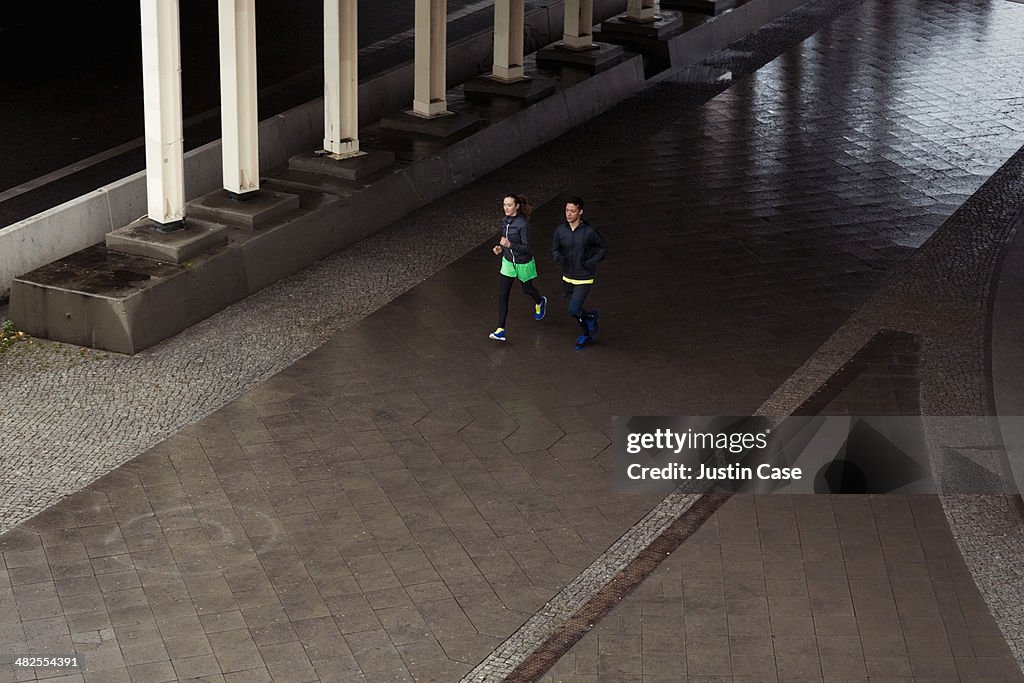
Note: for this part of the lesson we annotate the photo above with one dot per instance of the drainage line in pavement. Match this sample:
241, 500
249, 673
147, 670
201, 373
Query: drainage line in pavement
621, 585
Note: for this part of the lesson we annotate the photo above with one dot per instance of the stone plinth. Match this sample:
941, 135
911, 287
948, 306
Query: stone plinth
527, 90
120, 302
599, 57
713, 7
448, 125
664, 26
262, 209
362, 165
141, 238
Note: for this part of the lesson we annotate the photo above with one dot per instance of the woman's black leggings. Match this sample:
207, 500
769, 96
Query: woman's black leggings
506, 288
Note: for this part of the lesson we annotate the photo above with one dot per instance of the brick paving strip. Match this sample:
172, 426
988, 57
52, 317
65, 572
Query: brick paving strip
697, 511
549, 634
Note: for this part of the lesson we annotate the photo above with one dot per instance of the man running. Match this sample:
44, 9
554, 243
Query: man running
578, 247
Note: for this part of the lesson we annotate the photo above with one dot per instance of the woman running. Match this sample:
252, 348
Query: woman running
516, 260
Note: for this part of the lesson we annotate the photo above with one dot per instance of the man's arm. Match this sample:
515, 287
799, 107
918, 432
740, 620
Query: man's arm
556, 249
600, 245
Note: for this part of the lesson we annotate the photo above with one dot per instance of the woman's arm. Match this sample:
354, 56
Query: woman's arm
524, 235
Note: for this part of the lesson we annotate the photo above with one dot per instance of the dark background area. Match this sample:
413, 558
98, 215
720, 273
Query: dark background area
71, 80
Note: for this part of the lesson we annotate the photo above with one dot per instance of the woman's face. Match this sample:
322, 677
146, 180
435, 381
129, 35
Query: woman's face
510, 206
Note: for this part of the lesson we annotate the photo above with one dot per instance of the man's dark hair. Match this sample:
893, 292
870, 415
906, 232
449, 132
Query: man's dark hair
575, 200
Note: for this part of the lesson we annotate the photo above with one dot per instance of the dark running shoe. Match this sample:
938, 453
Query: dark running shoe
592, 326
582, 341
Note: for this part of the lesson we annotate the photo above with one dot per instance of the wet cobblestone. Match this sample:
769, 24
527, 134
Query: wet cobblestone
895, 171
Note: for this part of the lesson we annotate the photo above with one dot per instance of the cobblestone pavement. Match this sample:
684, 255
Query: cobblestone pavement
399, 501
941, 296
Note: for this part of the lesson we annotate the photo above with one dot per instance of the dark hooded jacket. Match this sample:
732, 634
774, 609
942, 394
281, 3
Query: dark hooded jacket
578, 251
517, 230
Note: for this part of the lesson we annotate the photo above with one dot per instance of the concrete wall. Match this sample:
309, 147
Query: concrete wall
697, 43
83, 221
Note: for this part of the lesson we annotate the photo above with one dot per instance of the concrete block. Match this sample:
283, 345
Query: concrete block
252, 214
284, 179
124, 303
77, 299
647, 38
190, 295
444, 126
392, 197
622, 29
429, 178
366, 163
601, 57
287, 247
141, 239
713, 7
527, 90
619, 83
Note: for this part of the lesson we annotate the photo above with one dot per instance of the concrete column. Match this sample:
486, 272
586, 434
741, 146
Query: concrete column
508, 40
239, 121
430, 46
579, 19
341, 78
161, 97
640, 10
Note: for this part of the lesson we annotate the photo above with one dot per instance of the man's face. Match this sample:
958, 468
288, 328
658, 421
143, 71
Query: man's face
572, 213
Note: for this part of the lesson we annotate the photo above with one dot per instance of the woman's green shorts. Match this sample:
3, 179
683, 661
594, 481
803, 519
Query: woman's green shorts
524, 271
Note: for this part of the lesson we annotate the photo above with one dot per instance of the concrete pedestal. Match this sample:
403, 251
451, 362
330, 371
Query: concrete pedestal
526, 90
107, 300
141, 238
649, 38
622, 29
713, 7
443, 126
354, 168
600, 57
266, 207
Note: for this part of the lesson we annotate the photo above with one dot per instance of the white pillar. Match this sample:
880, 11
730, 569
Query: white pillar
430, 45
239, 121
508, 40
640, 10
341, 78
161, 101
579, 19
